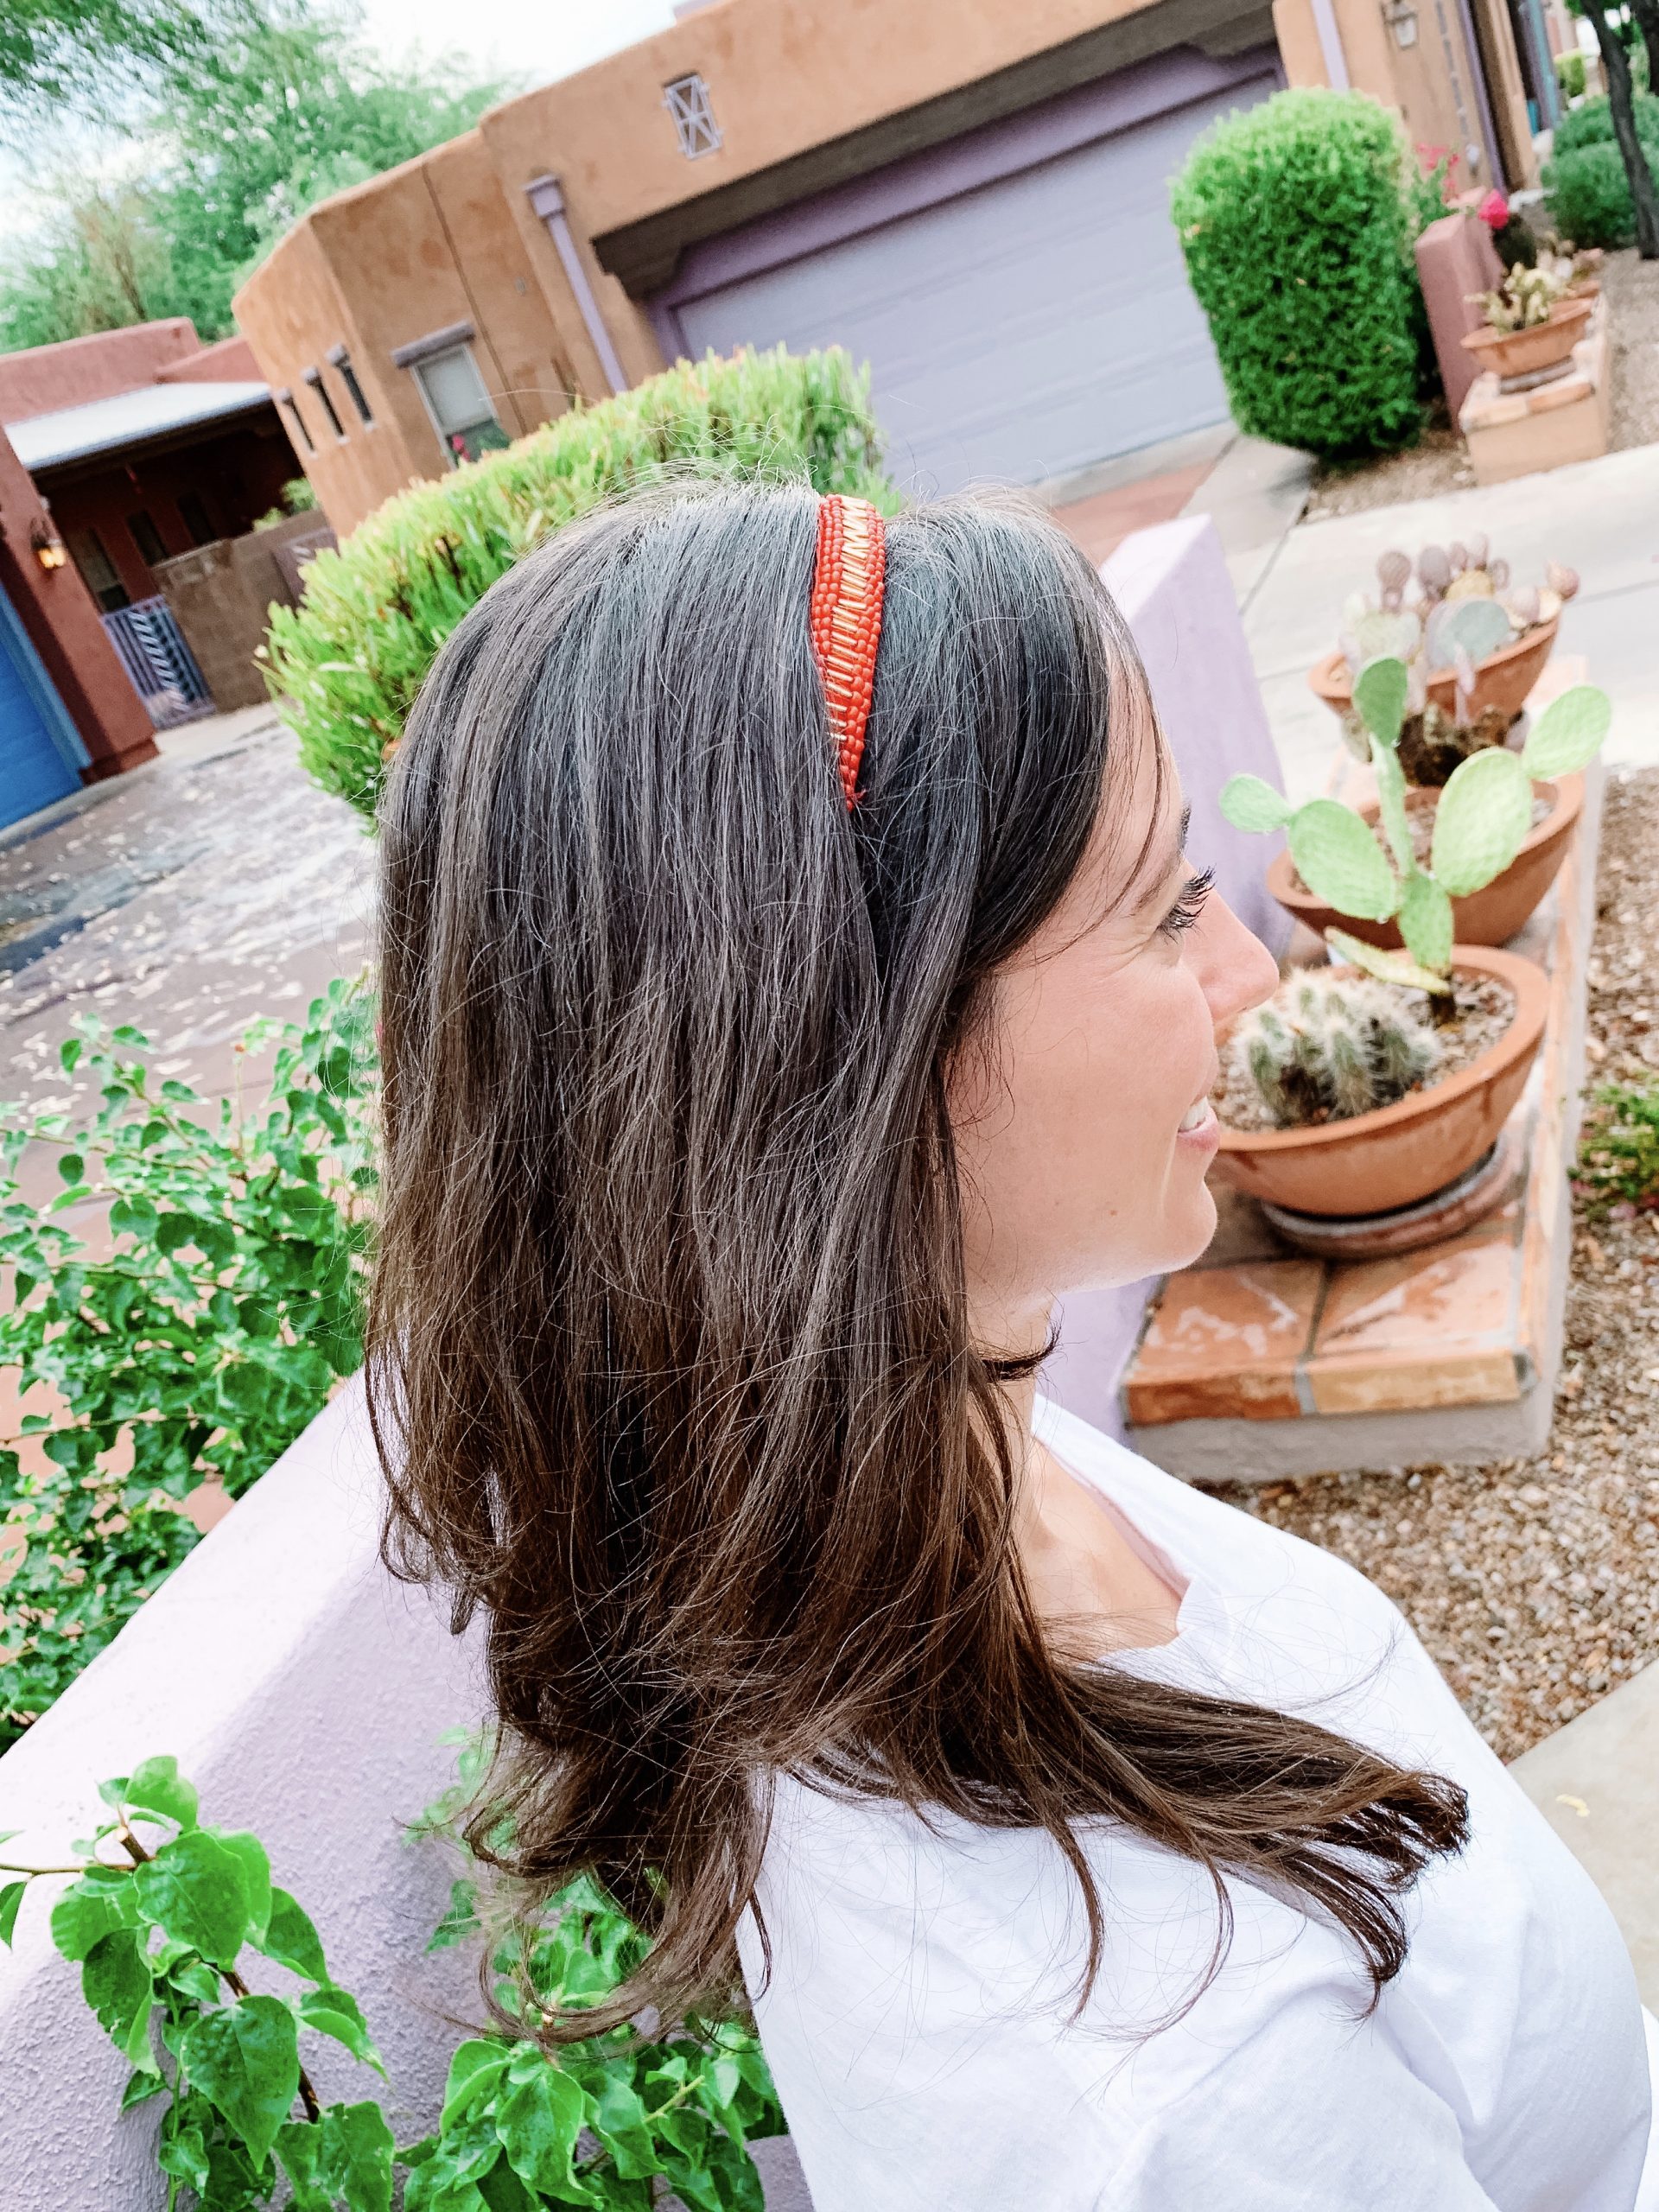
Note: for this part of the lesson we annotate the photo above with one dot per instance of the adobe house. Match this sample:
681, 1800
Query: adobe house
973, 198
144, 443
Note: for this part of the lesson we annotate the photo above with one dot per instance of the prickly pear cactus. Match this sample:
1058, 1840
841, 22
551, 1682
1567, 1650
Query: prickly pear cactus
1481, 626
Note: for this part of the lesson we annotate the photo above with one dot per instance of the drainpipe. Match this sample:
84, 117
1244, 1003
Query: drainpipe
547, 200
1330, 52
1482, 101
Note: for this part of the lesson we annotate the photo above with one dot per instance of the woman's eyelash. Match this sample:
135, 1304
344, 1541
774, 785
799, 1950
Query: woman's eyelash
1188, 907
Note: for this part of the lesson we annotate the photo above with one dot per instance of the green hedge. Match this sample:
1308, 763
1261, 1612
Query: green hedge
347, 662
1296, 222
1593, 124
1590, 192
1569, 75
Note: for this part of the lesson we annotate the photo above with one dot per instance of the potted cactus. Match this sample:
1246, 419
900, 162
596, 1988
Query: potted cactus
1533, 320
1464, 606
1392, 1081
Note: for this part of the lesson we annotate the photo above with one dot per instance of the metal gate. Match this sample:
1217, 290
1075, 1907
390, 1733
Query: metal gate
164, 668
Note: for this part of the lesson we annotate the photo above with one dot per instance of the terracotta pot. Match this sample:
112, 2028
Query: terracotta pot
1488, 917
1503, 678
1522, 352
1400, 1154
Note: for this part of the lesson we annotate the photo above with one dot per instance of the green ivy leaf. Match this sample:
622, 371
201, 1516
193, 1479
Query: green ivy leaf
618, 2120
291, 1939
141, 2086
101, 1900
194, 1889
156, 1786
72, 1166
10, 1898
116, 1983
336, 2012
1249, 802
539, 2114
245, 2060
474, 2070
133, 1215
359, 2153
250, 1854
1569, 732
459, 1919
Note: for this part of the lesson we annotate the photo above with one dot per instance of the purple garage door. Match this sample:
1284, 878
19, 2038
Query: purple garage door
1019, 293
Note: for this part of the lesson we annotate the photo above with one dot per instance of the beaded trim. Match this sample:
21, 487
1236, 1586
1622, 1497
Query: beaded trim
846, 622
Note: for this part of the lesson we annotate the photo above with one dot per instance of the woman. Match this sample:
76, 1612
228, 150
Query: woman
794, 985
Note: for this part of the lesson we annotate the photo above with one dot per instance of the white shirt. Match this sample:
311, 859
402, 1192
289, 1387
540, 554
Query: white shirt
917, 2016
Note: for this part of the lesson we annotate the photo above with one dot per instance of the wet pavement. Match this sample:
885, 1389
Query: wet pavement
188, 899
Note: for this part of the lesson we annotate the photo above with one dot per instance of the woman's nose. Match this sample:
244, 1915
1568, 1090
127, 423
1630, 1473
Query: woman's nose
1237, 971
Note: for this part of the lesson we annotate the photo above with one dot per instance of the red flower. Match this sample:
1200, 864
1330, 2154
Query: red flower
1494, 211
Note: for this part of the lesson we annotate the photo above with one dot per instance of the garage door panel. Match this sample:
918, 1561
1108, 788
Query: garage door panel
1022, 330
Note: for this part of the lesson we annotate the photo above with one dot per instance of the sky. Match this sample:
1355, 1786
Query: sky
531, 42
533, 39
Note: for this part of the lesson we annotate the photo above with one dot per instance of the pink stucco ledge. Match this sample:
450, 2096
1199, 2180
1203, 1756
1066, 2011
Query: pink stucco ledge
304, 1693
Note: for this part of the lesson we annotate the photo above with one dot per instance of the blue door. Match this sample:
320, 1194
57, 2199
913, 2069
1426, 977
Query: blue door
40, 752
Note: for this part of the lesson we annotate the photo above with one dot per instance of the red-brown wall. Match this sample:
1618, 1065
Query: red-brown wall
57, 609
229, 362
43, 379
238, 476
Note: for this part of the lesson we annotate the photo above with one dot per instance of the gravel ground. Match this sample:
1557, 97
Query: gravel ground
1439, 462
1535, 1583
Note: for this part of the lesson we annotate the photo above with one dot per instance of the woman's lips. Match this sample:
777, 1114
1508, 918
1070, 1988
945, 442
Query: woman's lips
1198, 1127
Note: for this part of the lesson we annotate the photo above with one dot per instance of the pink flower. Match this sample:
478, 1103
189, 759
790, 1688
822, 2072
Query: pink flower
1494, 211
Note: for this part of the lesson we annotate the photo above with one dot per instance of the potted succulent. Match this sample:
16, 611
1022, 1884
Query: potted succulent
1430, 746
1427, 631
1534, 320
1373, 1087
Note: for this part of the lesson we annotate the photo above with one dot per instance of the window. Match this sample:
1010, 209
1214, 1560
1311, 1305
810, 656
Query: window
98, 572
314, 378
342, 362
458, 403
285, 399
193, 515
147, 538
687, 102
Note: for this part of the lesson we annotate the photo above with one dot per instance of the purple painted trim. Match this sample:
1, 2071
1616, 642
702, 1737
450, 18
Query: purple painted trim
961, 165
1478, 71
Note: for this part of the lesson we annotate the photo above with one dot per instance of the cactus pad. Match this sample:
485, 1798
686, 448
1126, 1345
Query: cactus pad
1379, 691
1249, 803
1425, 920
1568, 734
1397, 967
1484, 815
1481, 626
1341, 861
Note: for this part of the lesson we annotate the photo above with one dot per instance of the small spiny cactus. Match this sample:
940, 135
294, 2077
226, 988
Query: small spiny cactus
1330, 1046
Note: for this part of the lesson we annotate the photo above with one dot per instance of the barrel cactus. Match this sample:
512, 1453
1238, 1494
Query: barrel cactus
1328, 1046
1484, 815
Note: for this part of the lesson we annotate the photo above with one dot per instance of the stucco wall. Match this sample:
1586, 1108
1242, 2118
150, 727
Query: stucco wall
304, 1693
43, 378
58, 612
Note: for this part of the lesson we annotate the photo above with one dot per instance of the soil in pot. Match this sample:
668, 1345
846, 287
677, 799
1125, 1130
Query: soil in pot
1430, 762
1485, 1007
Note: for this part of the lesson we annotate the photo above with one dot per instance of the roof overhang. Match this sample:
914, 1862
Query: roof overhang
151, 418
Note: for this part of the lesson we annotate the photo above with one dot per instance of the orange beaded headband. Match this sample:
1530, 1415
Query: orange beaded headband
846, 621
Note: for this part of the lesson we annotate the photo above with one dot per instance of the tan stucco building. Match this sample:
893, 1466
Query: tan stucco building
970, 194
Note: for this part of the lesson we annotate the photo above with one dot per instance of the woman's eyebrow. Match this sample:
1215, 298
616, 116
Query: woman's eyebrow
1155, 889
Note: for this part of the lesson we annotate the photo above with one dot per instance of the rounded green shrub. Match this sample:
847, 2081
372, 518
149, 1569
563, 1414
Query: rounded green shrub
1589, 192
1296, 222
346, 663
1569, 74
1593, 124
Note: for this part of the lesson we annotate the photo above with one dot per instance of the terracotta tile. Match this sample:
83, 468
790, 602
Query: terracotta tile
1224, 1342
1563, 392
1447, 1299
1487, 414
1399, 1382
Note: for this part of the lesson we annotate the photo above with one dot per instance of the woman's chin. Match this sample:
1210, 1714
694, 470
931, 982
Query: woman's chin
1192, 1232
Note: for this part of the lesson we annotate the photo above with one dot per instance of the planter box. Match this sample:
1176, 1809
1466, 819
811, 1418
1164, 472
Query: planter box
1518, 433
1256, 1364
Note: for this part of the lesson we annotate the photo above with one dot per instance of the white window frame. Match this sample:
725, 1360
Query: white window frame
686, 101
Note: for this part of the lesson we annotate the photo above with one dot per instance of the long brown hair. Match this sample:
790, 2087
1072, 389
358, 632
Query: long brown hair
668, 1348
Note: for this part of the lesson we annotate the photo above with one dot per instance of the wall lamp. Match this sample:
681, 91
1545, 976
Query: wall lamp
1401, 19
47, 546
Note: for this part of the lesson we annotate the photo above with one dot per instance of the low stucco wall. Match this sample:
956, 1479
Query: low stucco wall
304, 1693
1174, 587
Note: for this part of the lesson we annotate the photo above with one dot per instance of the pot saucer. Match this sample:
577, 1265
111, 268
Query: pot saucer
1466, 1200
